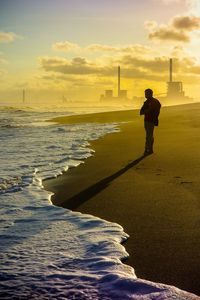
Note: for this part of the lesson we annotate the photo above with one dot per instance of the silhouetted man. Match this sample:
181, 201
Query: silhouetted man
150, 110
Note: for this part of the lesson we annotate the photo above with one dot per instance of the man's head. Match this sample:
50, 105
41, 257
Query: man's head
148, 93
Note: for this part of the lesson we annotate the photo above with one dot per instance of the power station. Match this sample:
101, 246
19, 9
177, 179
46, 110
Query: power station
121, 94
174, 88
174, 95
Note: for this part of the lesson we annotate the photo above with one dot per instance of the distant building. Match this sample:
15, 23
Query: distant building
121, 95
109, 93
174, 95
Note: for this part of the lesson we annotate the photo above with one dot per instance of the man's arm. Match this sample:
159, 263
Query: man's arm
157, 109
145, 108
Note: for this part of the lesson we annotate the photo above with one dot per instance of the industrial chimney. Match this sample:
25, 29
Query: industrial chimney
170, 70
119, 81
23, 96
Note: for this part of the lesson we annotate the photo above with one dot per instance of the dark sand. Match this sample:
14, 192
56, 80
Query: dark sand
156, 198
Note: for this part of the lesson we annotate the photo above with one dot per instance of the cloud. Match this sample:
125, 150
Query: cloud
80, 66
150, 25
60, 79
169, 34
149, 68
100, 48
194, 70
136, 48
68, 46
65, 46
187, 23
178, 51
177, 29
157, 68
77, 65
92, 48
80, 70
8, 37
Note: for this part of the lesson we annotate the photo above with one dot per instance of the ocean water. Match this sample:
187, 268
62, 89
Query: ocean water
48, 252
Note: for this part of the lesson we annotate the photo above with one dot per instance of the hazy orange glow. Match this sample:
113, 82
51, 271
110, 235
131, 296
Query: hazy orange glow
71, 49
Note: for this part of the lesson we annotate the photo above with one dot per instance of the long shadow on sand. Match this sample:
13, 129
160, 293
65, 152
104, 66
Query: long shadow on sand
75, 201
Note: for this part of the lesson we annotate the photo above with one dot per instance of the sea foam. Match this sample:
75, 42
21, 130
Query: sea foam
49, 252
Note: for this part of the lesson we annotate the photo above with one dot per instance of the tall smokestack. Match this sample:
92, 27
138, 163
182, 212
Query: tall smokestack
170, 70
23, 96
119, 81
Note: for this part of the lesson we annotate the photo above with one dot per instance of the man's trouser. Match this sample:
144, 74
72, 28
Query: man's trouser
149, 128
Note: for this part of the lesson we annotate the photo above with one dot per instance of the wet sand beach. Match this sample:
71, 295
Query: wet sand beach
156, 199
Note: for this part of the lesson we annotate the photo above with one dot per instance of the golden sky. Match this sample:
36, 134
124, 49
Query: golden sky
73, 47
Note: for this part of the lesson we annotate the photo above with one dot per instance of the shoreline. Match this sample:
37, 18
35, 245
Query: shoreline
139, 193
